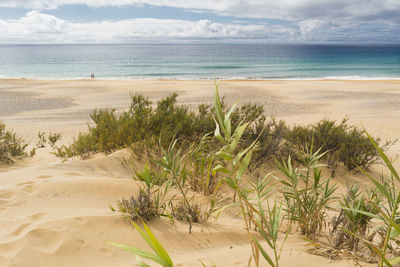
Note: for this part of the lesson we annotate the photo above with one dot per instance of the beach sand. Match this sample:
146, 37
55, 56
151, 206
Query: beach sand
55, 213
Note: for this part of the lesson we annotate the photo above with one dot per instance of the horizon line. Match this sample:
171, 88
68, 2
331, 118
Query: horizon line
218, 43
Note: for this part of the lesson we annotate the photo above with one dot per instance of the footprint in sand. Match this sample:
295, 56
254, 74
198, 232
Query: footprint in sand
27, 186
21, 229
2, 211
44, 240
81, 220
9, 249
44, 176
6, 197
74, 174
107, 251
37, 216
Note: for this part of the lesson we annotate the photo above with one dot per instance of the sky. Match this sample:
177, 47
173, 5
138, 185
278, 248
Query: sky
199, 21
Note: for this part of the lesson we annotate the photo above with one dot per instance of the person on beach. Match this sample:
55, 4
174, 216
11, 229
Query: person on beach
92, 76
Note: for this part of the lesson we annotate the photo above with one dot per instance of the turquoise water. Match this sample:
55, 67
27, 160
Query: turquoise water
200, 61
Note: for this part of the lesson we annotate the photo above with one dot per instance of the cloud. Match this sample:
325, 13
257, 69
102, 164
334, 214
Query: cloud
36, 27
297, 20
291, 10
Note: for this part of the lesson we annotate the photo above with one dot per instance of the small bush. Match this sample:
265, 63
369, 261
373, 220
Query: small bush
11, 146
140, 123
271, 133
341, 143
357, 150
142, 207
54, 138
41, 143
181, 212
84, 146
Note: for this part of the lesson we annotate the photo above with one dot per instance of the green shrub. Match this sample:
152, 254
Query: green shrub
83, 146
41, 143
140, 123
271, 133
11, 146
340, 143
357, 150
54, 138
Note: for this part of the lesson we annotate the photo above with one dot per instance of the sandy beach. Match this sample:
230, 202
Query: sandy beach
55, 213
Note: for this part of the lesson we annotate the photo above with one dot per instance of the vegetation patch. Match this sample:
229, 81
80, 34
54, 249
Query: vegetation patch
11, 146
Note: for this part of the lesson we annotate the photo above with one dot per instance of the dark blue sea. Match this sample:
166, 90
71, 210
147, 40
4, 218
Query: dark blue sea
234, 61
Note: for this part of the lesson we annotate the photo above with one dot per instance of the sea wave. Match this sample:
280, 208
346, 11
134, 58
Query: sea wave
132, 78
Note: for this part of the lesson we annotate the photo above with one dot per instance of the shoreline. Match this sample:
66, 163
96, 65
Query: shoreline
339, 78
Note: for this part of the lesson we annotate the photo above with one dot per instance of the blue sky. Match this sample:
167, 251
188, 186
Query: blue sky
205, 21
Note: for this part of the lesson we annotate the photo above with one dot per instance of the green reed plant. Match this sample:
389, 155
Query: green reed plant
268, 226
306, 194
173, 163
150, 177
353, 221
233, 165
201, 157
159, 255
388, 213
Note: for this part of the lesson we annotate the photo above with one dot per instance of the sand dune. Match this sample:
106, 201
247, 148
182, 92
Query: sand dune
55, 213
58, 215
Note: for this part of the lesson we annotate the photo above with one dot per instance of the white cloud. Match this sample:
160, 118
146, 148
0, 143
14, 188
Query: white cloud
302, 20
292, 10
36, 27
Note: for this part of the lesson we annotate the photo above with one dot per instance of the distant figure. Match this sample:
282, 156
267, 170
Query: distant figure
92, 76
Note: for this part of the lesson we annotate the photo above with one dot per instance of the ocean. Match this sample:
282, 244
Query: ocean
186, 61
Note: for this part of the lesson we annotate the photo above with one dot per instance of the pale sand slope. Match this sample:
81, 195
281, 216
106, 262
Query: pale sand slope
57, 214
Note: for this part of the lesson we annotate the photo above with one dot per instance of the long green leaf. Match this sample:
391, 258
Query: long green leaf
243, 166
263, 252
237, 135
384, 157
218, 109
140, 253
227, 122
394, 260
219, 168
378, 185
223, 155
158, 247
217, 133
